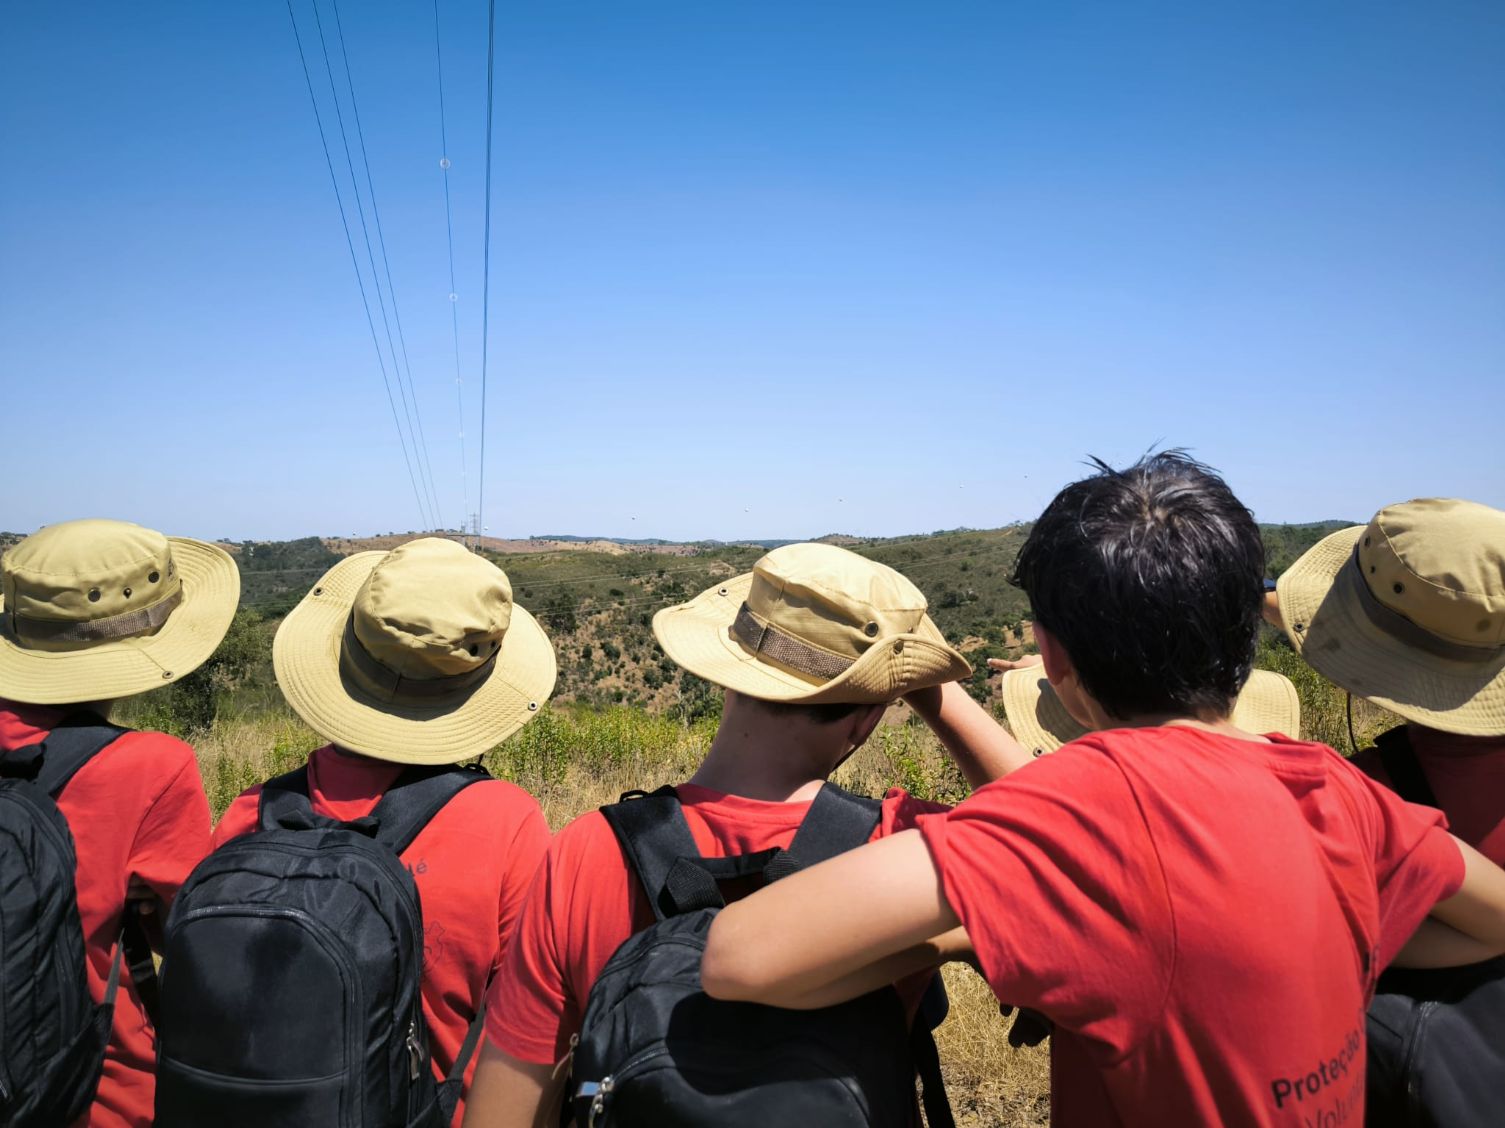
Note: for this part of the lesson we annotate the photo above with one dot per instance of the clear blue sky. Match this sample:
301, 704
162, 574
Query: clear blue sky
758, 269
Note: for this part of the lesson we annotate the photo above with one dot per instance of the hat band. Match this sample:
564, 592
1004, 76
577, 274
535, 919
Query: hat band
358, 665
1403, 630
785, 649
128, 624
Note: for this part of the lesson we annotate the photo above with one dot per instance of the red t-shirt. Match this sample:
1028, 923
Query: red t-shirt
136, 808
1202, 917
1467, 776
586, 901
472, 864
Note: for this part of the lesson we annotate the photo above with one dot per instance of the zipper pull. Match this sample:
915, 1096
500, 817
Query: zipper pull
598, 1106
415, 1052
567, 1059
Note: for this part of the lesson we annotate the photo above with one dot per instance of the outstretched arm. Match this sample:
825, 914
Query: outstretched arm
836, 930
1467, 927
981, 747
508, 1093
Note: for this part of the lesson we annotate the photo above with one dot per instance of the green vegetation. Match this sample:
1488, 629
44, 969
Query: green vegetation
598, 608
1284, 543
274, 575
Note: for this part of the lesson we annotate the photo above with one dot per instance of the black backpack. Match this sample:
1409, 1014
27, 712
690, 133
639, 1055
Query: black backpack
655, 1051
291, 978
54, 1034
1436, 1036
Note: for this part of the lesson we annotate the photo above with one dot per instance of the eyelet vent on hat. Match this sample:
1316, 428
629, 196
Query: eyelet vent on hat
166, 674
899, 646
475, 651
532, 706
1398, 588
871, 630
154, 577
1300, 627
721, 591
318, 591
93, 595
127, 593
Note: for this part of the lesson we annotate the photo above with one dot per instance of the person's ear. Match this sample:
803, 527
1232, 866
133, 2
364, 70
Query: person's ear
1058, 665
864, 722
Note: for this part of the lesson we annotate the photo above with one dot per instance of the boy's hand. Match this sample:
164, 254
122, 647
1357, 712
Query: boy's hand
143, 901
1003, 665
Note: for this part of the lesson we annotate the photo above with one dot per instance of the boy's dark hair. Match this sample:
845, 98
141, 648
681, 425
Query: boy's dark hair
1151, 578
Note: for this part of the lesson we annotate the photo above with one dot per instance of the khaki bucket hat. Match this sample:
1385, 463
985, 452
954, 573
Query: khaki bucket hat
1409, 612
1267, 703
811, 624
418, 655
96, 610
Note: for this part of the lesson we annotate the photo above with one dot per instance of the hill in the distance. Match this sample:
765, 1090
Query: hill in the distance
597, 598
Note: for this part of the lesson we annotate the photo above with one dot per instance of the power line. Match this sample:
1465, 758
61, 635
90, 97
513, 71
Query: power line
354, 262
420, 440
360, 212
486, 247
454, 312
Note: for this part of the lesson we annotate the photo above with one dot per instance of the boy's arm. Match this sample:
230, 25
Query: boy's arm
981, 747
1474, 916
926, 956
1437, 945
834, 931
508, 1093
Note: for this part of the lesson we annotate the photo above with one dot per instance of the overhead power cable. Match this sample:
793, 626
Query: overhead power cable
360, 211
354, 261
454, 297
415, 420
486, 249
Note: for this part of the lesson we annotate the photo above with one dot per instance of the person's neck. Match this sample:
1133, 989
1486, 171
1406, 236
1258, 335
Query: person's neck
1435, 742
774, 764
1221, 726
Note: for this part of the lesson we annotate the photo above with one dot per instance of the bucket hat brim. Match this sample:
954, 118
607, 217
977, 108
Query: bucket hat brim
306, 657
1268, 703
1327, 624
105, 671
697, 636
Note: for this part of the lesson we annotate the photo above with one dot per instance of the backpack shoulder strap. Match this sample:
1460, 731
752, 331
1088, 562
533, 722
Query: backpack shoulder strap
654, 835
415, 797
837, 821
283, 795
54, 762
1404, 770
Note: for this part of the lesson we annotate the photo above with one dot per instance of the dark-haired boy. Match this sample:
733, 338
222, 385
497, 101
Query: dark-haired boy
1201, 911
810, 647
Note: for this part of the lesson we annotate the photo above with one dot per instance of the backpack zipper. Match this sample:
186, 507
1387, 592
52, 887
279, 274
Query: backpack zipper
415, 1051
568, 1058
601, 1092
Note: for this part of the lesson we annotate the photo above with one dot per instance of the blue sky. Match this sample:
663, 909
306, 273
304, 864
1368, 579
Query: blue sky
758, 269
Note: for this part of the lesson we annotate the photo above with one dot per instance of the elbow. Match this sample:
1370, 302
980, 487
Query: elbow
730, 968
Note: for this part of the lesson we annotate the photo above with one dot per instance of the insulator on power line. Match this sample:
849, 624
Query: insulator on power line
454, 297
443, 162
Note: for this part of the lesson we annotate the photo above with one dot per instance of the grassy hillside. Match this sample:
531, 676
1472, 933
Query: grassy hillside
598, 609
